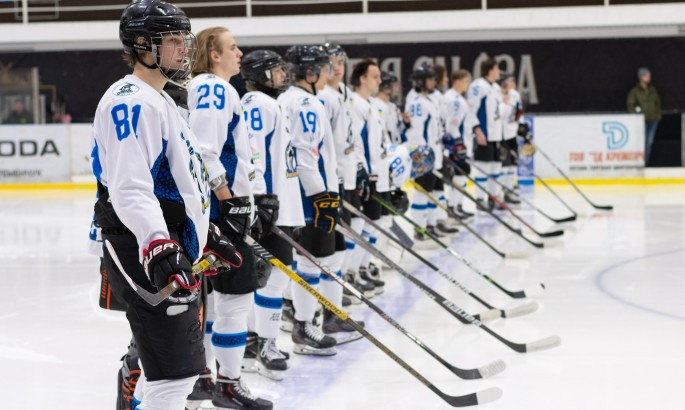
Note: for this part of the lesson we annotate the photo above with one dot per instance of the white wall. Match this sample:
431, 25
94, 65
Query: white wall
467, 25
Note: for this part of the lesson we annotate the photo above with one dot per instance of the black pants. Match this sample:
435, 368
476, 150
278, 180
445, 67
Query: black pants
507, 147
169, 335
487, 153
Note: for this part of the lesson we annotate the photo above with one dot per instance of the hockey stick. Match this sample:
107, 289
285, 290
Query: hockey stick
509, 313
542, 181
454, 310
520, 294
470, 197
471, 399
503, 205
602, 207
155, 299
524, 200
482, 372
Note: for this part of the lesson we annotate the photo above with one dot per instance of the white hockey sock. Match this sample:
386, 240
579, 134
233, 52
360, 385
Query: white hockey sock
166, 394
303, 302
330, 289
457, 198
495, 174
209, 325
230, 331
419, 208
481, 178
440, 213
358, 252
357, 224
372, 238
509, 173
269, 304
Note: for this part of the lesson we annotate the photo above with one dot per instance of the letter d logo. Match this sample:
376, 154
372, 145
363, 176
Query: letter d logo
617, 134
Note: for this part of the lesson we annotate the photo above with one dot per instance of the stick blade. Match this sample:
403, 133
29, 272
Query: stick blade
489, 395
552, 234
517, 255
492, 369
522, 310
567, 219
473, 399
489, 315
604, 207
543, 344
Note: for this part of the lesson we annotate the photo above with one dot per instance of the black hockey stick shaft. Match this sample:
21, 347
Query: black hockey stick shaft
549, 188
459, 313
418, 256
514, 294
521, 198
602, 207
500, 220
459, 220
504, 206
495, 367
471, 399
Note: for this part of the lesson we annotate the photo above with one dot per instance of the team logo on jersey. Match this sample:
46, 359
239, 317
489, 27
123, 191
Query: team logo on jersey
305, 102
126, 89
251, 176
290, 161
248, 99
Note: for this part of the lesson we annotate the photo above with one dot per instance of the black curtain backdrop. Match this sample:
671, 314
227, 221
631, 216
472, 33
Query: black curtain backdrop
569, 75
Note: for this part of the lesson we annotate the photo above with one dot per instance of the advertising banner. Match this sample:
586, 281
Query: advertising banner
591, 146
35, 153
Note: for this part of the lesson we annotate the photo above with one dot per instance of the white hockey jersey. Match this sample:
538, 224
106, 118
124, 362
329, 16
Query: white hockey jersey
338, 111
377, 114
216, 118
399, 164
438, 99
144, 152
312, 139
366, 126
485, 103
274, 160
457, 117
512, 111
392, 121
424, 128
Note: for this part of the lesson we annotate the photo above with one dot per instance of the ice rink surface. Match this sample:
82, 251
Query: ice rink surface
615, 284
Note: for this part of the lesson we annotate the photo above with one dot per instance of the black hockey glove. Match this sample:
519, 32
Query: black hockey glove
447, 169
219, 246
263, 269
235, 217
362, 188
326, 210
164, 262
524, 132
399, 200
458, 159
267, 211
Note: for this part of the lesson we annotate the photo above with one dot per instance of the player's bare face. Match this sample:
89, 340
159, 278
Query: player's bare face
324, 75
372, 79
338, 63
431, 83
463, 84
173, 51
229, 59
278, 76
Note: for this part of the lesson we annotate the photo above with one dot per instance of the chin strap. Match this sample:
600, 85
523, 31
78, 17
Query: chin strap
271, 92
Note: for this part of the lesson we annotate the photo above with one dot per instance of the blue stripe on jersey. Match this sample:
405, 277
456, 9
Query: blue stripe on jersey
267, 303
461, 130
228, 340
483, 117
267, 170
403, 136
229, 159
425, 128
165, 188
365, 141
322, 167
208, 327
95, 164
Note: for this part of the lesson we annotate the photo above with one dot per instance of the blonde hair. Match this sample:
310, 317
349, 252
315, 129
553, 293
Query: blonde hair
207, 41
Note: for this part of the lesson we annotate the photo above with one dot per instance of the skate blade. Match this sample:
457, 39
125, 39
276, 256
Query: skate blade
345, 337
379, 291
309, 351
287, 326
194, 404
275, 375
248, 365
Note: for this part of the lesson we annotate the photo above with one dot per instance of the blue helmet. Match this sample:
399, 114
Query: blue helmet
422, 160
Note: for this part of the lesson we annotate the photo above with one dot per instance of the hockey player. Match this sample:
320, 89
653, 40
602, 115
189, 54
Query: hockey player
457, 140
352, 175
424, 129
216, 118
267, 125
390, 114
153, 202
366, 124
312, 139
485, 102
512, 114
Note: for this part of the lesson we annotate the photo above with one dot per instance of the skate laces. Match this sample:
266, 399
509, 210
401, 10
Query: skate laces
240, 389
271, 351
313, 331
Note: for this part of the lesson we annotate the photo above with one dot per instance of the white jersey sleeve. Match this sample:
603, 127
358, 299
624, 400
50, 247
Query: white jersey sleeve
275, 156
366, 127
338, 111
455, 112
512, 113
143, 152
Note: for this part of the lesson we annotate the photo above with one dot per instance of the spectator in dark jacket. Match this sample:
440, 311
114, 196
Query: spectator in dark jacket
19, 114
645, 99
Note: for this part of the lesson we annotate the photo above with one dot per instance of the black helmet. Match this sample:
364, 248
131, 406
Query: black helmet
387, 80
307, 59
151, 19
334, 50
420, 75
256, 69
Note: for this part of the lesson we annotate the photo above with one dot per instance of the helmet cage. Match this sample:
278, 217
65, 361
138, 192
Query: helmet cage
184, 47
